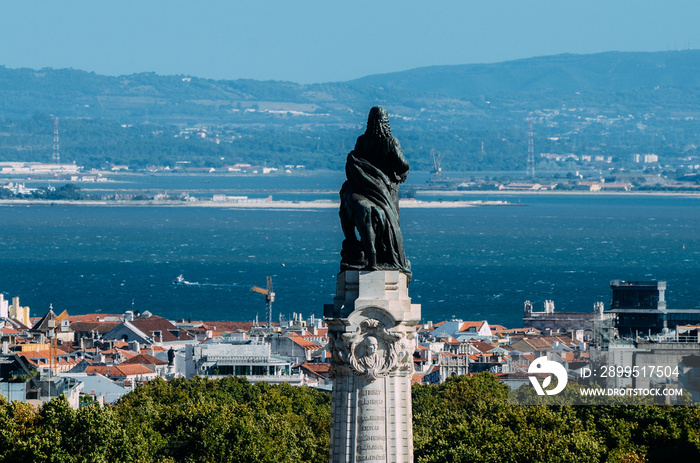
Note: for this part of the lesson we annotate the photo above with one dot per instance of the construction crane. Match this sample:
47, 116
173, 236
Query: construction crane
269, 299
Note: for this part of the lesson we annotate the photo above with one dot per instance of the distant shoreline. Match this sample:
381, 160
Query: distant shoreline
690, 194
328, 204
251, 204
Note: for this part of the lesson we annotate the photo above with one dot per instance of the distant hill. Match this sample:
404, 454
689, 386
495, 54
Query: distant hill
562, 74
612, 104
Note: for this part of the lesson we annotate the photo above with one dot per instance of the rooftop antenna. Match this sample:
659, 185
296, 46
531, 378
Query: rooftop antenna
530, 151
56, 155
436, 172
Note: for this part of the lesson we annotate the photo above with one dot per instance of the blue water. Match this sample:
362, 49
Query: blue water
472, 263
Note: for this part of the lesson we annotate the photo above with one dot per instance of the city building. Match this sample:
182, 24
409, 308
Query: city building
581, 324
640, 309
251, 360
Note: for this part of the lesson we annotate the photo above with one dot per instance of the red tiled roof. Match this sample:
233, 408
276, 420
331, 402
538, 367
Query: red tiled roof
220, 327
466, 325
155, 323
18, 324
122, 352
321, 370
144, 359
120, 370
98, 327
299, 340
42, 354
8, 331
482, 346
318, 367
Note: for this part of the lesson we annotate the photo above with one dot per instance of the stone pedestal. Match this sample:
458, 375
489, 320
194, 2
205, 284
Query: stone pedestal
371, 328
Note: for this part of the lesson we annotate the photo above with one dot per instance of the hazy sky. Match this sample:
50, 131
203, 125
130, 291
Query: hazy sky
310, 41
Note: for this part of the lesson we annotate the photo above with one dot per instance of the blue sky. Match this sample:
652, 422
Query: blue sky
325, 40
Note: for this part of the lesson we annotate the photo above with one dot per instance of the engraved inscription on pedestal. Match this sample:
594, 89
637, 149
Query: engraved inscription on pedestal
371, 433
372, 349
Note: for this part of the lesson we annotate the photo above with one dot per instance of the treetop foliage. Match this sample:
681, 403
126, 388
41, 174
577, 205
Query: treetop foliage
466, 419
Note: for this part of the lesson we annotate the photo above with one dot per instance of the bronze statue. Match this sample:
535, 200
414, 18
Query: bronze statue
369, 200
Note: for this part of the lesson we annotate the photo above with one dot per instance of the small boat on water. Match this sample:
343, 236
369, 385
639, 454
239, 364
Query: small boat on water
180, 280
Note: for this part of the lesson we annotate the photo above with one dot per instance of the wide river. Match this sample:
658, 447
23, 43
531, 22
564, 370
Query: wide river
476, 263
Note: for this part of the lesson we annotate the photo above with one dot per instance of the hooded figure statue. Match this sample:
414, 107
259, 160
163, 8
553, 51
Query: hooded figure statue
369, 200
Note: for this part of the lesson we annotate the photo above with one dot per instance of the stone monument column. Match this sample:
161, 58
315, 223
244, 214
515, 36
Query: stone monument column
372, 326
372, 323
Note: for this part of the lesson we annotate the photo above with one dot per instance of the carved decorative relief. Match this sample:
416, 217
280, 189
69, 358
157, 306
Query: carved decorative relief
371, 351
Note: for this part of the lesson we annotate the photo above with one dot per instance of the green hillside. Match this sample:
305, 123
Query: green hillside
610, 104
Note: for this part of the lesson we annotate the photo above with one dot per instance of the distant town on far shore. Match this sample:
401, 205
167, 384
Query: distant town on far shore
66, 181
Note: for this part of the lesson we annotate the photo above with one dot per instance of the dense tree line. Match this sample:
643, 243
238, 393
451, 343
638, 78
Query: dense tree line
68, 191
229, 420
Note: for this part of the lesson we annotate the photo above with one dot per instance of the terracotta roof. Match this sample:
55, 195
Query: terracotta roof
8, 331
42, 354
482, 346
538, 343
155, 323
120, 370
144, 359
98, 327
321, 370
304, 343
567, 356
466, 325
220, 327
498, 328
318, 367
121, 352
17, 324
